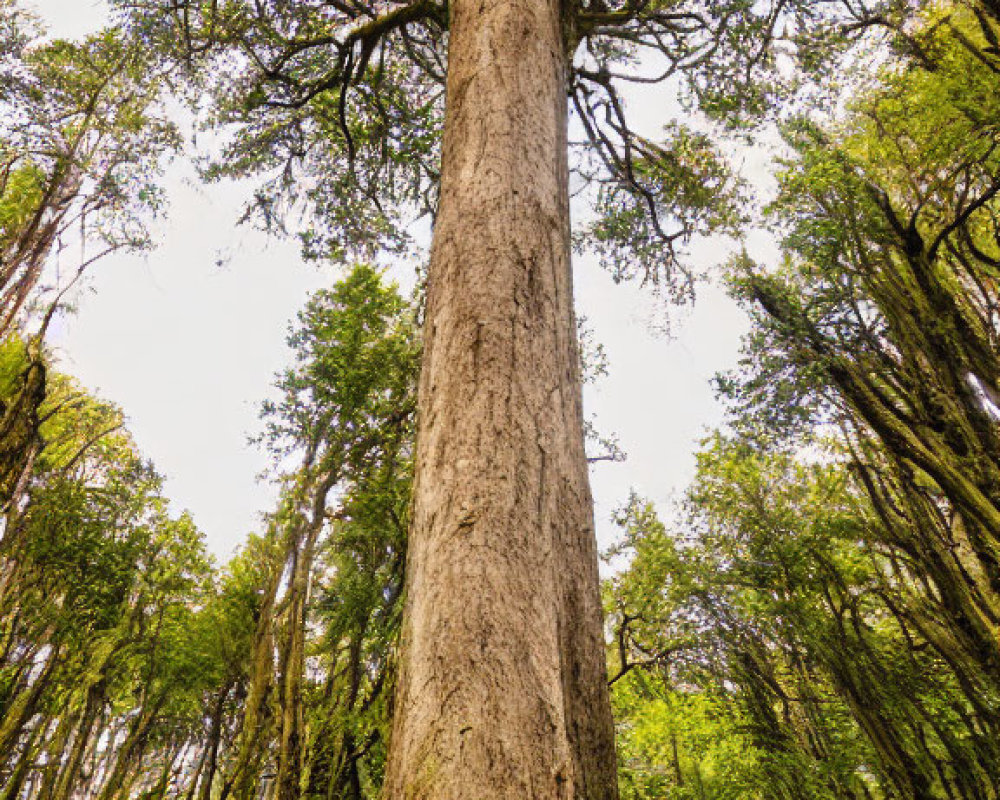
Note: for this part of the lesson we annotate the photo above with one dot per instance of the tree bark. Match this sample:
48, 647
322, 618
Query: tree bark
214, 740
502, 689
66, 777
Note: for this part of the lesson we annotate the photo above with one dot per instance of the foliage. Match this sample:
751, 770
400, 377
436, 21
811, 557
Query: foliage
116, 629
337, 110
82, 141
818, 622
833, 583
100, 587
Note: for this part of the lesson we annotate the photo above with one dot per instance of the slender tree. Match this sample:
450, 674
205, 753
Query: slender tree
82, 141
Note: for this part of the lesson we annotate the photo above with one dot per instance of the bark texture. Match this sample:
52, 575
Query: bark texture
503, 689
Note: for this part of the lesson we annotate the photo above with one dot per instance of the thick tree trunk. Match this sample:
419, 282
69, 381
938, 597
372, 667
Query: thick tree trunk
502, 690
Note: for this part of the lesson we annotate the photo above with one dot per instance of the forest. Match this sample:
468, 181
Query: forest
419, 616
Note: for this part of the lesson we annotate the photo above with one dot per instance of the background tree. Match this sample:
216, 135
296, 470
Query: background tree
830, 592
131, 668
346, 410
780, 619
82, 141
98, 592
886, 303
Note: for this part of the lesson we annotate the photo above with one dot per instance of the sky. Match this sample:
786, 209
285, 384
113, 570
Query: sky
188, 348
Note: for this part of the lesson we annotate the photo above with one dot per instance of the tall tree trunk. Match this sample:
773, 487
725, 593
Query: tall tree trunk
211, 760
70, 766
23, 707
502, 689
129, 754
17, 777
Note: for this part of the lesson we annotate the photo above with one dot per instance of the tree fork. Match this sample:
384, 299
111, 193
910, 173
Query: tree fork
502, 688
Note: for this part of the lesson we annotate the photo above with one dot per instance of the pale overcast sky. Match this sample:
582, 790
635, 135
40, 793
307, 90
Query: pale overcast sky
188, 349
